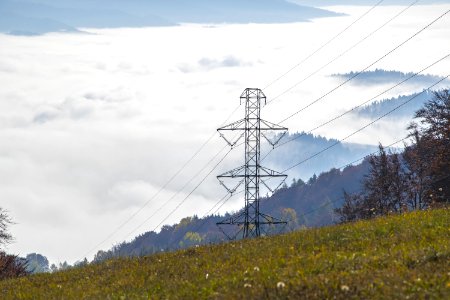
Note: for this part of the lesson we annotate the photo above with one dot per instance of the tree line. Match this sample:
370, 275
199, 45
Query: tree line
416, 179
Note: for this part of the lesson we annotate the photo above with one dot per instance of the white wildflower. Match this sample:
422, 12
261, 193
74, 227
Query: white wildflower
345, 288
281, 285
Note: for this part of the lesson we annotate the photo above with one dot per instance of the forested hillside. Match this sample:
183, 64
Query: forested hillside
302, 204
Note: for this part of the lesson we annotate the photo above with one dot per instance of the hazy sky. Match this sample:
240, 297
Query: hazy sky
92, 125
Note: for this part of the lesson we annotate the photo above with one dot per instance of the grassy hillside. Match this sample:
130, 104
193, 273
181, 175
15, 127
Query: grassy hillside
405, 256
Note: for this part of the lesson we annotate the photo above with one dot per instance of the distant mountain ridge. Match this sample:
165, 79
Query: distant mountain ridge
304, 146
322, 3
380, 76
43, 16
381, 107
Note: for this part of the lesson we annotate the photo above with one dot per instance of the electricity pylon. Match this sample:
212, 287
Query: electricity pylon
250, 221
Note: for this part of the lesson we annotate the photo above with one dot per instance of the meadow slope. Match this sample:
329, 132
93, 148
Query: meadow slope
397, 257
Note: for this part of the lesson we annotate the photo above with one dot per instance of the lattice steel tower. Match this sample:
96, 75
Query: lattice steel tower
251, 221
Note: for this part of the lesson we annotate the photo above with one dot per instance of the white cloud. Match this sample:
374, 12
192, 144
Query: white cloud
208, 64
92, 125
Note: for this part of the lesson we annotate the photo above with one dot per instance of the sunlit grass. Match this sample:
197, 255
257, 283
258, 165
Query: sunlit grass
404, 256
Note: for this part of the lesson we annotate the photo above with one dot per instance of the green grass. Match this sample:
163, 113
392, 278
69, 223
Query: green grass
397, 257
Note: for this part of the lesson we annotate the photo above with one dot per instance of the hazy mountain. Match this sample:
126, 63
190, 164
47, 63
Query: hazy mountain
321, 3
38, 18
381, 107
19, 25
304, 146
41, 16
380, 76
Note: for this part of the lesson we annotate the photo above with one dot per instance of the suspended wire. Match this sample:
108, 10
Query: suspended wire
357, 74
345, 52
323, 46
193, 190
327, 203
212, 136
183, 201
171, 179
356, 107
365, 69
371, 154
205, 218
224, 200
340, 199
365, 126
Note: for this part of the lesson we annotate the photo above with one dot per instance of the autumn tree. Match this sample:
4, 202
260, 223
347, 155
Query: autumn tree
417, 159
354, 208
433, 130
385, 189
416, 179
384, 186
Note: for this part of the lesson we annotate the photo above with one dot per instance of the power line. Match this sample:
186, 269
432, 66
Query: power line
228, 196
196, 187
196, 153
365, 102
339, 34
341, 199
373, 153
314, 209
365, 126
224, 200
201, 148
345, 52
336, 36
356, 107
323, 46
357, 74
183, 201
365, 69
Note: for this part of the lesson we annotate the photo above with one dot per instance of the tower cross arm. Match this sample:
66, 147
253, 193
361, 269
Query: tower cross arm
266, 125
266, 172
238, 125
237, 172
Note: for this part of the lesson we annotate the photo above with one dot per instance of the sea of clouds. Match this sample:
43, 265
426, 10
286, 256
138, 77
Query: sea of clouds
92, 125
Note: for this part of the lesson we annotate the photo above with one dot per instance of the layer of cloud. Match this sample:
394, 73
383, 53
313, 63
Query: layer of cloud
91, 126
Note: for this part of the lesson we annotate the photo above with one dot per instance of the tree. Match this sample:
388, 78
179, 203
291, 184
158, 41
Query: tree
289, 215
354, 208
37, 263
82, 263
417, 179
190, 239
417, 160
12, 266
384, 187
5, 221
434, 128
384, 190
